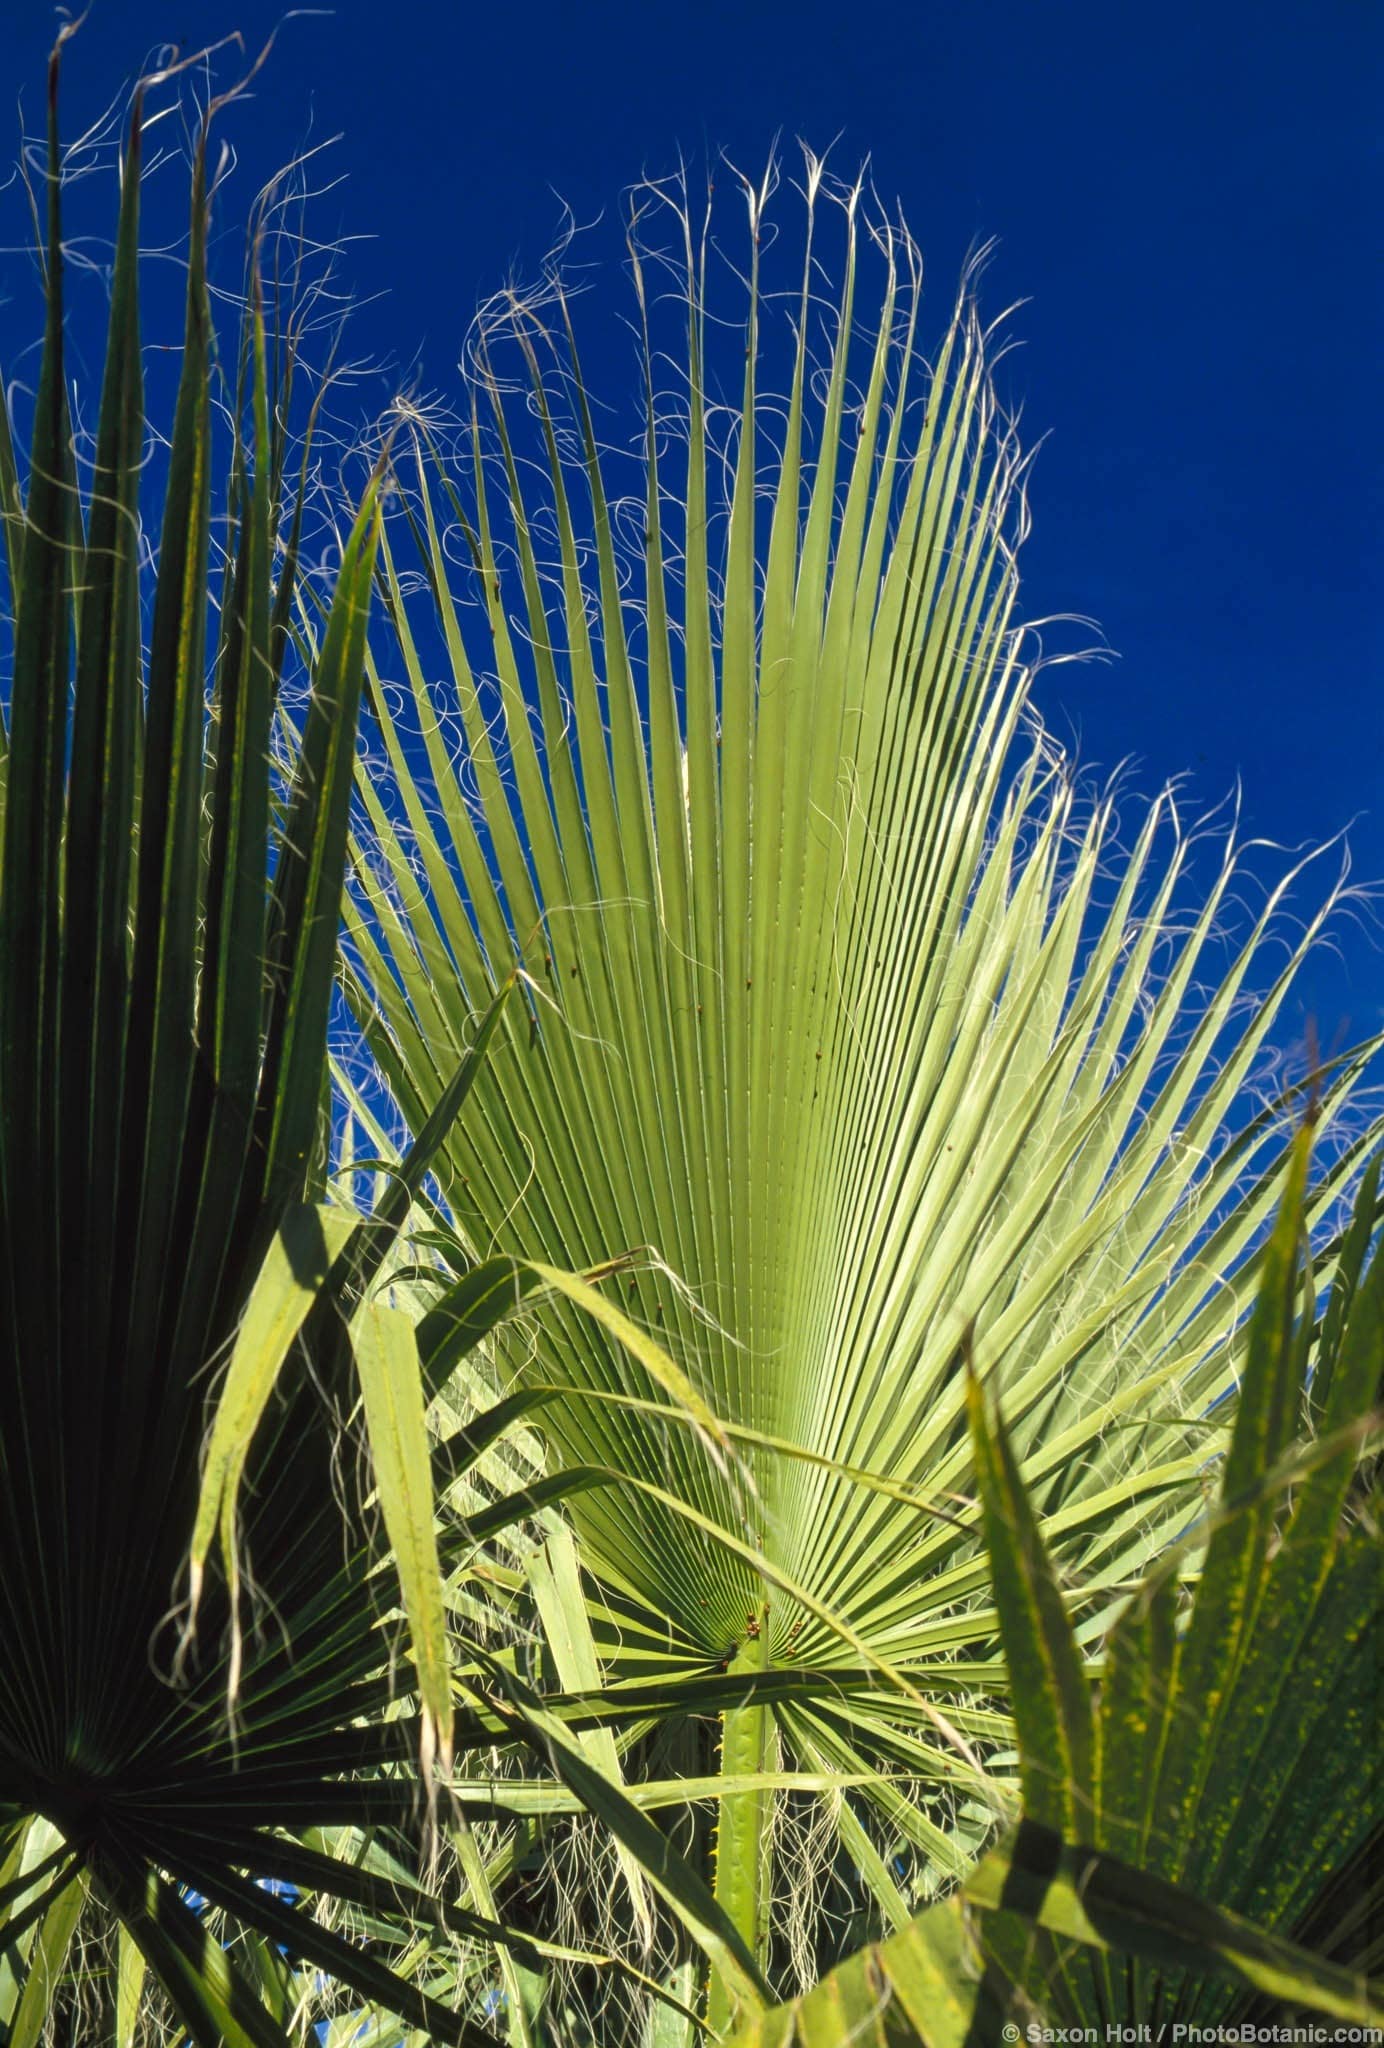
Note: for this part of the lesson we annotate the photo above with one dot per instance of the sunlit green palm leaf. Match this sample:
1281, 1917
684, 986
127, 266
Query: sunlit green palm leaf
854, 1011
1228, 1751
932, 1986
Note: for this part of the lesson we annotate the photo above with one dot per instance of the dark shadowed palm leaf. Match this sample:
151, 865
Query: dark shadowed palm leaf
166, 965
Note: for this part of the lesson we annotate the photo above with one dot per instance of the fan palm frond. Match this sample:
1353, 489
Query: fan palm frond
855, 1015
166, 970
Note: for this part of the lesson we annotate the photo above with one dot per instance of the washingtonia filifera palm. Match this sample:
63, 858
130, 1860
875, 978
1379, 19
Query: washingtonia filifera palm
186, 1324
852, 1009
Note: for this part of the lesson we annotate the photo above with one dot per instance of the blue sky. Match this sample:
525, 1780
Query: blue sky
1188, 198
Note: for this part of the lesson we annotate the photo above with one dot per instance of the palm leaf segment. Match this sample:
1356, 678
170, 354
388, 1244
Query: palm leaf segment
836, 1017
166, 969
1270, 1683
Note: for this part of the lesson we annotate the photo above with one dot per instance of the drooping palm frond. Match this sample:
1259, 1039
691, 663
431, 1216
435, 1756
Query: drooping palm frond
1227, 1758
841, 1018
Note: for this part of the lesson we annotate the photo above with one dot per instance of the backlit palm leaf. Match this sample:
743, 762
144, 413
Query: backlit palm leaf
1230, 1752
853, 1010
